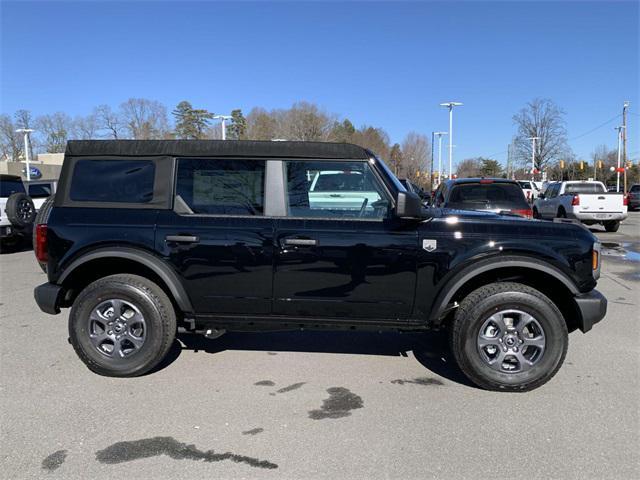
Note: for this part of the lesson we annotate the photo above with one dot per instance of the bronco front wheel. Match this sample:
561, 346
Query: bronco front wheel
508, 336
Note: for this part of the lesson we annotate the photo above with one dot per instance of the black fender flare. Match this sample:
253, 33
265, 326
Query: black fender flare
458, 280
157, 265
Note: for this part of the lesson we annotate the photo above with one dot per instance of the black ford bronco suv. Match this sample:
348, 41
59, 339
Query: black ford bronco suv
148, 238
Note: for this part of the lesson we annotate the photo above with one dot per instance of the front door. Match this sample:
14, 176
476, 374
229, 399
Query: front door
339, 254
217, 237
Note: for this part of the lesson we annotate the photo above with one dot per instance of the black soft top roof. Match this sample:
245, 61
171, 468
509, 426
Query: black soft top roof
218, 148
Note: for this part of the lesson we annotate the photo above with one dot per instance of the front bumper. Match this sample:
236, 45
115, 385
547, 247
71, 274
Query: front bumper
48, 297
593, 308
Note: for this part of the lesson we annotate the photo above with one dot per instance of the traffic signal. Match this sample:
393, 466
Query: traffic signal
600, 164
581, 165
562, 164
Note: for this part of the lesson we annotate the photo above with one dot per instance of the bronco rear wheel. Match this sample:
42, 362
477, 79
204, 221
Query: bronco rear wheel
508, 336
122, 325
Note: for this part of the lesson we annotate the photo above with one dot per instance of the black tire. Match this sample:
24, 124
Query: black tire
42, 217
561, 213
152, 303
486, 301
20, 210
612, 226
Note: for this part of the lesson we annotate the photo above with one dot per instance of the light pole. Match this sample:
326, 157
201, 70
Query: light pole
439, 135
450, 106
26, 132
620, 130
223, 118
533, 155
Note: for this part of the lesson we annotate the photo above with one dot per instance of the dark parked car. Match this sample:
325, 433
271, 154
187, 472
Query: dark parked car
633, 197
413, 188
497, 195
145, 239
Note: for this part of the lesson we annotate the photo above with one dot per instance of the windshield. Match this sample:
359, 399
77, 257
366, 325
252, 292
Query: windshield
584, 187
7, 187
526, 185
478, 196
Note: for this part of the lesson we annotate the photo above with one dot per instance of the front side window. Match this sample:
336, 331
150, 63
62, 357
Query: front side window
117, 181
334, 189
221, 187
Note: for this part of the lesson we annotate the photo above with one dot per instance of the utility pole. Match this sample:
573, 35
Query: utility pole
431, 167
509, 161
440, 134
620, 129
223, 118
625, 105
533, 156
26, 132
450, 106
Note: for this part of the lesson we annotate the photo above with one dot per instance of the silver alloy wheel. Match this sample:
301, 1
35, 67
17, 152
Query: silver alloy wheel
117, 329
511, 341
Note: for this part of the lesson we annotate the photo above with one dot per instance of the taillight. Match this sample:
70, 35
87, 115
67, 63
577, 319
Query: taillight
575, 201
526, 212
41, 243
625, 200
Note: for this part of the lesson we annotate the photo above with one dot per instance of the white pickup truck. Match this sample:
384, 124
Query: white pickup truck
588, 202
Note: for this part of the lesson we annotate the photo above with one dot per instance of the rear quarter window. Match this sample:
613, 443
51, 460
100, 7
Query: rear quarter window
112, 181
584, 188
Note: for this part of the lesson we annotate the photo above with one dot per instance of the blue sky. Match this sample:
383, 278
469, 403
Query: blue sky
386, 64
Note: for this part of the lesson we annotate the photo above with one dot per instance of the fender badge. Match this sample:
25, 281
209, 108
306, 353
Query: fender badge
429, 245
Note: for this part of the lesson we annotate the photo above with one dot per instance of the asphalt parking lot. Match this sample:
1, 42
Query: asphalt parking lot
317, 404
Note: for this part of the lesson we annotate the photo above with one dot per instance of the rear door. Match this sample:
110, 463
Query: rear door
344, 259
218, 237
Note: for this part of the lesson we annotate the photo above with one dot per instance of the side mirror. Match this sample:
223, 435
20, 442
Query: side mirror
409, 205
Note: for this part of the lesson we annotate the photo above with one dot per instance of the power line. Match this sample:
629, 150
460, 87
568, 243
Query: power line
596, 128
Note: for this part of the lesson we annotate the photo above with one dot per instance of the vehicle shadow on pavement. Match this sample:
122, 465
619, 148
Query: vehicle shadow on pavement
429, 348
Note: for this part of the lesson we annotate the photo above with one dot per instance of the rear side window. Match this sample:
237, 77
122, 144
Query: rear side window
222, 187
635, 189
112, 181
584, 188
8, 187
477, 195
39, 191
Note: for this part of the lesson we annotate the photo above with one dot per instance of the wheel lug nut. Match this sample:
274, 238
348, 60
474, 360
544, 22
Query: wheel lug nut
110, 332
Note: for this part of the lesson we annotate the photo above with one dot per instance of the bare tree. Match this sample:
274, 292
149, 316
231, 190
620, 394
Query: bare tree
11, 146
261, 125
374, 139
145, 119
109, 122
305, 122
469, 167
55, 129
85, 128
415, 156
23, 119
543, 119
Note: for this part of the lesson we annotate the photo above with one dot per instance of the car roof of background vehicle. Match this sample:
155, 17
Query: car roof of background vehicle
458, 181
9, 178
216, 148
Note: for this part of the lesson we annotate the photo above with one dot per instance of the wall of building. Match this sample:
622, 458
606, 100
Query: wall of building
49, 165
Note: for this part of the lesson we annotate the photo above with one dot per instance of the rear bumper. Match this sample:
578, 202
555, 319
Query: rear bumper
48, 297
600, 216
593, 308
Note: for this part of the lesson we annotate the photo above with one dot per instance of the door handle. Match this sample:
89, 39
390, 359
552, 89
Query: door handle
306, 242
182, 238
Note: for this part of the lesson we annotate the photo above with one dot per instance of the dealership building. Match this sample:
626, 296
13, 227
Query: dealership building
46, 166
